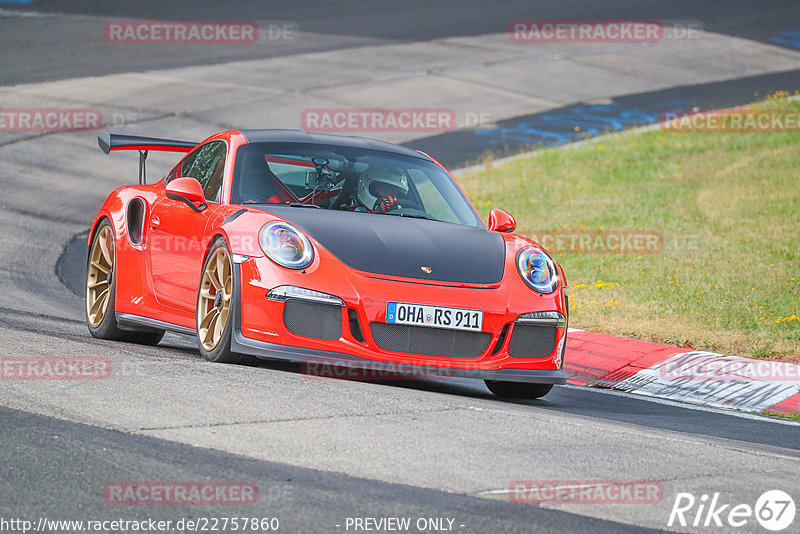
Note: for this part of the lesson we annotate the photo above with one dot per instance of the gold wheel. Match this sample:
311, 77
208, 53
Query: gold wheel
100, 276
214, 303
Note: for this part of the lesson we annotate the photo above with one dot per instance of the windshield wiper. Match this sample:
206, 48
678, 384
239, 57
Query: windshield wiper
412, 216
292, 204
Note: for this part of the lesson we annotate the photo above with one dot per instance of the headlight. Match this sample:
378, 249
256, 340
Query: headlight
286, 245
537, 270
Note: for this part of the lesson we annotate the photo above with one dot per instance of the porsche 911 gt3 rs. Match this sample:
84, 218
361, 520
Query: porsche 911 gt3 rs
318, 248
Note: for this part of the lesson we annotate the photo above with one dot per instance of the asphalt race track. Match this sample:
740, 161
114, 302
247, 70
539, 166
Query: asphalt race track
36, 57
324, 451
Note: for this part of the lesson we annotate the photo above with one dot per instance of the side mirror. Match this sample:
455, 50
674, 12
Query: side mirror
187, 190
501, 221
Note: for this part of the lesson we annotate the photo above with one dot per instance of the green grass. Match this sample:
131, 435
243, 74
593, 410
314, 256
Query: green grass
794, 415
727, 205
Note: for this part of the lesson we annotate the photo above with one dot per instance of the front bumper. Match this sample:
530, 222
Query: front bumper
259, 327
319, 358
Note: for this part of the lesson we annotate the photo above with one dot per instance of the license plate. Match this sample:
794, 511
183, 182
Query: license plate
434, 316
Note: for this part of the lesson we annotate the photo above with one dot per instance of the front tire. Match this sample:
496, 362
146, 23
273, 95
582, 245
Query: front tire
518, 390
215, 303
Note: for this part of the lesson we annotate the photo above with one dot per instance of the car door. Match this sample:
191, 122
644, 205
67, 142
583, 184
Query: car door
177, 231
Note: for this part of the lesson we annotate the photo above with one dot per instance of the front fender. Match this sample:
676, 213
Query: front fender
240, 230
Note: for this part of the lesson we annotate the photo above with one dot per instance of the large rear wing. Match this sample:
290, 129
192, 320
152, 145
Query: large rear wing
109, 142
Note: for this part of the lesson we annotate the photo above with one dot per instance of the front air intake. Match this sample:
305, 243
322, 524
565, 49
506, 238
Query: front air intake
430, 341
313, 319
532, 341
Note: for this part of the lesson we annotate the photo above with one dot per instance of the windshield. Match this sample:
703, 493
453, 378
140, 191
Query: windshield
348, 179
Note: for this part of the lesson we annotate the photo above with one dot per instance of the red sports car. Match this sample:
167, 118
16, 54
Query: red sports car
326, 250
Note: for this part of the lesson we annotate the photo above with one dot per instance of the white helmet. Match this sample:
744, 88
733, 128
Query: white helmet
369, 186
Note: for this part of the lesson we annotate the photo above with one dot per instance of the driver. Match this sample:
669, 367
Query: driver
385, 187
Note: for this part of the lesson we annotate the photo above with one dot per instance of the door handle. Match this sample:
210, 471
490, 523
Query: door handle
154, 222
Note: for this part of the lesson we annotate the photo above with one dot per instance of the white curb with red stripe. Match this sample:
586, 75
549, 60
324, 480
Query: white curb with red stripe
716, 380
663, 371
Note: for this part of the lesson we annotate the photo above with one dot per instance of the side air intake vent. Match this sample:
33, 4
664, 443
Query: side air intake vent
135, 220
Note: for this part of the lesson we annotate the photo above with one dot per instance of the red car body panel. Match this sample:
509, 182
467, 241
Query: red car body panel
158, 274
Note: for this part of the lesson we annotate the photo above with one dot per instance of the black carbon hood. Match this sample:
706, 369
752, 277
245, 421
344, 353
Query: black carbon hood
403, 246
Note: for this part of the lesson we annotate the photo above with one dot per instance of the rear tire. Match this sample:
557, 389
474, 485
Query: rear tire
101, 285
518, 390
144, 338
101, 288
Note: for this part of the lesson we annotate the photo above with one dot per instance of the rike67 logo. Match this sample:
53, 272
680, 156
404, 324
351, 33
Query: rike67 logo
774, 510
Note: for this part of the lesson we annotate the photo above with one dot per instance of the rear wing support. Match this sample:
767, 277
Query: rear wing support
142, 170
144, 145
